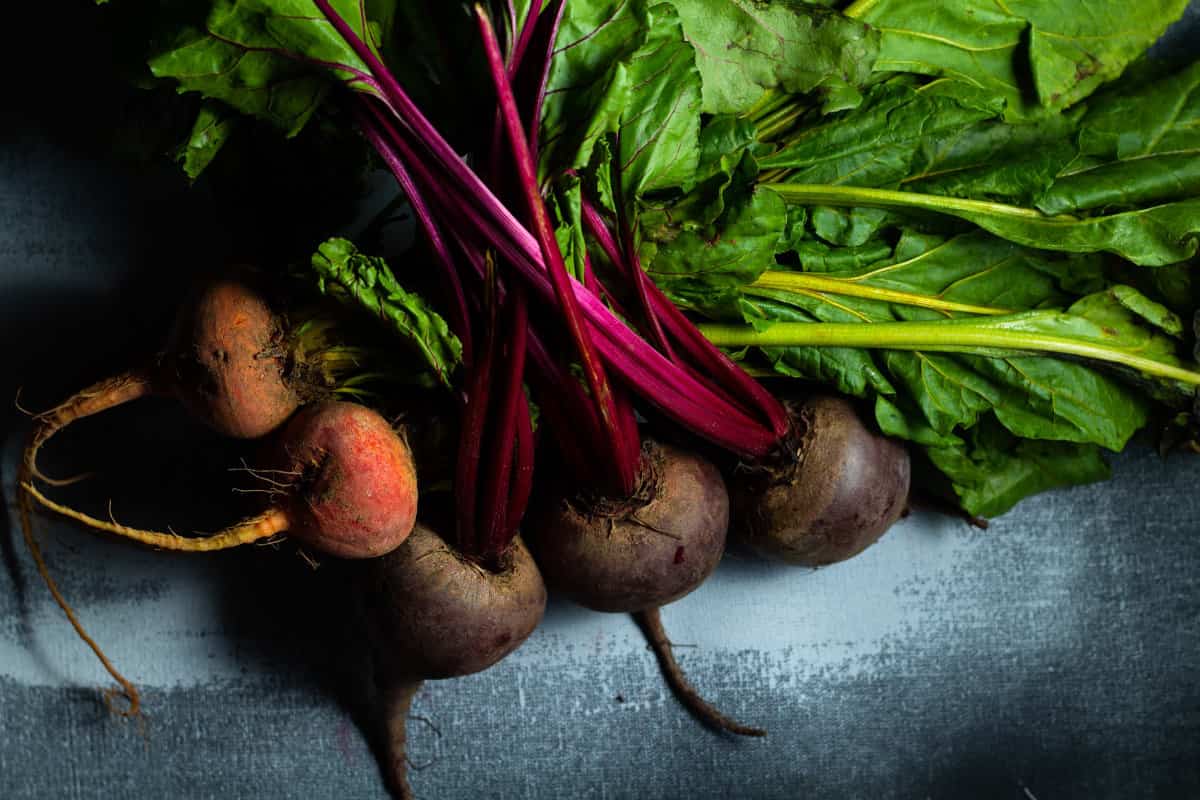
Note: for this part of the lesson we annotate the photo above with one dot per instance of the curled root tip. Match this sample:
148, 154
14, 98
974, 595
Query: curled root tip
650, 621
127, 689
19, 407
60, 482
132, 697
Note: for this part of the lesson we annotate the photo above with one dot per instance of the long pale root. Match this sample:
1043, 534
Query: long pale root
397, 701
100, 396
25, 513
255, 529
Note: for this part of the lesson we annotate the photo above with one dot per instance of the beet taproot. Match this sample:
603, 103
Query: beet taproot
431, 613
225, 361
641, 552
342, 482
839, 488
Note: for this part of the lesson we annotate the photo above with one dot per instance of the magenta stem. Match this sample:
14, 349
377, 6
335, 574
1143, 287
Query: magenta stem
497, 484
470, 443
546, 37
459, 316
631, 263
732, 378
460, 192
522, 483
623, 462
525, 36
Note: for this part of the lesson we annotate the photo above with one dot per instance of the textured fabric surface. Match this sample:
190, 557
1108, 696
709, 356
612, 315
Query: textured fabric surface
1053, 656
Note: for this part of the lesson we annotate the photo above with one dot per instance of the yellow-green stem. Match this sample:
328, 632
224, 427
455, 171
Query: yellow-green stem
817, 194
948, 337
793, 281
859, 8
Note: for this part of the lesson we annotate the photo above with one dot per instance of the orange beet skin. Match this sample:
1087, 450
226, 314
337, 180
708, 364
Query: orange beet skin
356, 495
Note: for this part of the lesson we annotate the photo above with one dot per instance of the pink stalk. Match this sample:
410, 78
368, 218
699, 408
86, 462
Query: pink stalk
459, 317
497, 483
460, 192
624, 462
731, 377
522, 484
634, 272
470, 442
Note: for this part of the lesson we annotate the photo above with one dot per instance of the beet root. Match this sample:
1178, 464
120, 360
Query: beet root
431, 613
845, 486
226, 361
435, 614
346, 482
641, 552
650, 621
356, 492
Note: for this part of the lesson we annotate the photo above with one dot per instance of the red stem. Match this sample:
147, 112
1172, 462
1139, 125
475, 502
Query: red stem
678, 394
522, 484
459, 317
470, 443
546, 36
526, 35
632, 264
497, 482
732, 379
623, 462
460, 193
559, 392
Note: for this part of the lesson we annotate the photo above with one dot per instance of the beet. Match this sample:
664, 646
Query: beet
430, 613
225, 361
841, 487
354, 493
636, 553
342, 480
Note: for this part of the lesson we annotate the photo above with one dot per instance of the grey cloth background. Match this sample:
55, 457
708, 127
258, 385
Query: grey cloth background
1053, 656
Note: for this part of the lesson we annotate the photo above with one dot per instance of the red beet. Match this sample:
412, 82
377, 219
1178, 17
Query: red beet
841, 488
431, 613
641, 552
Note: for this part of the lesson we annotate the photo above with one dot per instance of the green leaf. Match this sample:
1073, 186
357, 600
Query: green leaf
589, 83
625, 69
660, 125
565, 204
1137, 146
849, 227
878, 143
745, 47
271, 59
1033, 53
707, 264
1036, 396
994, 470
994, 160
817, 256
214, 125
367, 281
957, 395
849, 370
1155, 236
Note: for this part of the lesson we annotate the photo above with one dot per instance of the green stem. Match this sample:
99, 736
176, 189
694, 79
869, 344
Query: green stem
815, 194
766, 103
796, 281
780, 121
858, 8
951, 336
